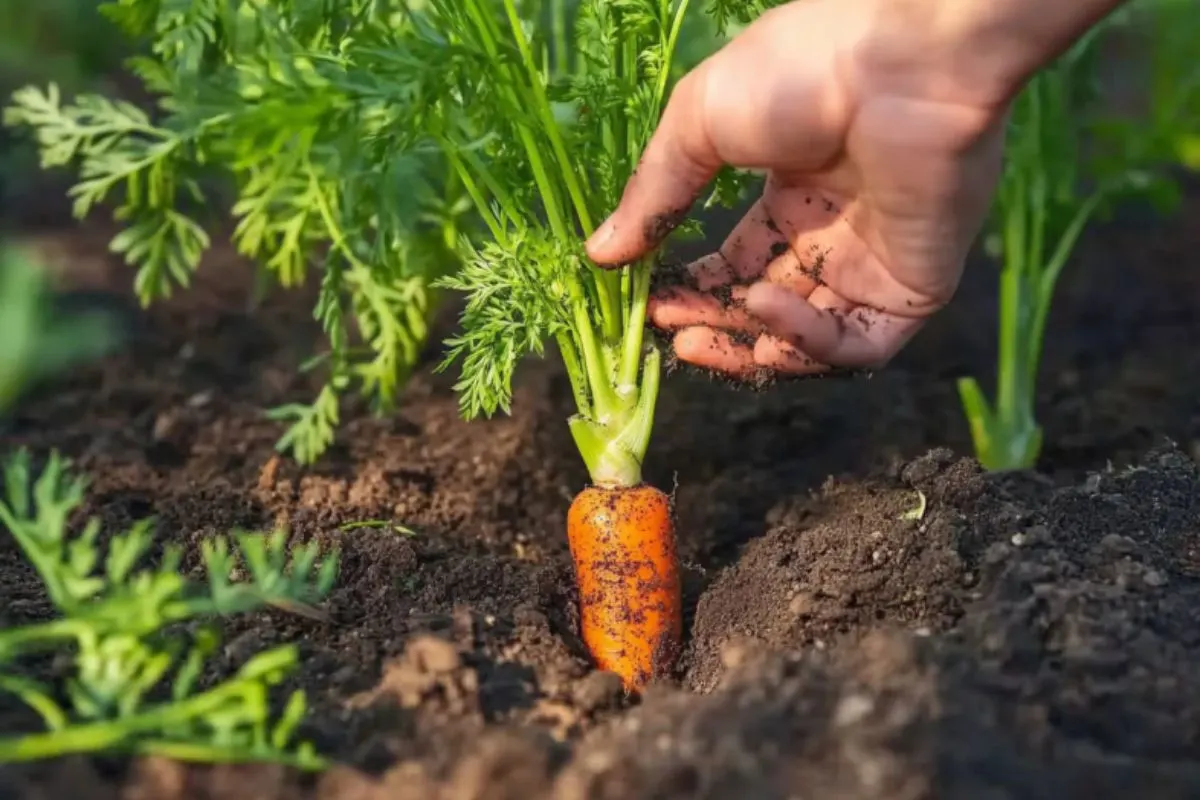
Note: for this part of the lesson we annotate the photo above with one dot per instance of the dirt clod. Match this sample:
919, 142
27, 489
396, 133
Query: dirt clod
600, 690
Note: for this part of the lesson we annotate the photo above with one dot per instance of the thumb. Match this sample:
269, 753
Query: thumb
679, 161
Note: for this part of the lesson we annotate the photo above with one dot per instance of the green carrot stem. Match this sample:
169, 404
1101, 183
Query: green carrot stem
604, 400
614, 451
575, 373
635, 438
635, 326
608, 294
558, 27
550, 125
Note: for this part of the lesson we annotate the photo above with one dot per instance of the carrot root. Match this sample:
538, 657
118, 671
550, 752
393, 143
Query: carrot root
627, 569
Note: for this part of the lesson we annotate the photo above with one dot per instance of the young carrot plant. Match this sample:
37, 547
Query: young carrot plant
303, 108
137, 685
544, 132
1041, 211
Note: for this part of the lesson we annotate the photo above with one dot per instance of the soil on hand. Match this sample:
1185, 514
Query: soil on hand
869, 615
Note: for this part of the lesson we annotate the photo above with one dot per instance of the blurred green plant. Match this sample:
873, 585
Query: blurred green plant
1162, 131
56, 40
135, 682
34, 342
1174, 97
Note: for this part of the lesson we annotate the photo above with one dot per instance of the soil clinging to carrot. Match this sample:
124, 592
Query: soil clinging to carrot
626, 564
1025, 637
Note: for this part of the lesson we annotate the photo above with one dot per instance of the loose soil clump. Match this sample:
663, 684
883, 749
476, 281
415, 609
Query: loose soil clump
869, 614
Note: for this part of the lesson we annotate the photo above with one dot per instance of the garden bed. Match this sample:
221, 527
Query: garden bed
1028, 636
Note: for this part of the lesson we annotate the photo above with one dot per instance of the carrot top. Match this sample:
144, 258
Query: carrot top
544, 130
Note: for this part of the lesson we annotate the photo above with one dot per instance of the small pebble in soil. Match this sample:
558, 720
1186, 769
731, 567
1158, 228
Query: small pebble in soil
165, 424
734, 652
243, 646
801, 605
1118, 545
1154, 578
852, 709
344, 675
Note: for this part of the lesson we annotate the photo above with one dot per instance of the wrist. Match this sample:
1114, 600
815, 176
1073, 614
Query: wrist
1017, 38
974, 52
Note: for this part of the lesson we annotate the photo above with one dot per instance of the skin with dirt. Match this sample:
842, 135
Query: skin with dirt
674, 275
1030, 636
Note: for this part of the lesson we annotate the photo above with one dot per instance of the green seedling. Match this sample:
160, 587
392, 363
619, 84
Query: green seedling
1070, 158
395, 527
137, 680
917, 512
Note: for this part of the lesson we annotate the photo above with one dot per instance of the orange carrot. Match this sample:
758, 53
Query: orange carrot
623, 544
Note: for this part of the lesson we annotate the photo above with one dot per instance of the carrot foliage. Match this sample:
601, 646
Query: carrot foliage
544, 131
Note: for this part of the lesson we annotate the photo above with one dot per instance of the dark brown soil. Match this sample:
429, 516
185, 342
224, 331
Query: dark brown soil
1025, 637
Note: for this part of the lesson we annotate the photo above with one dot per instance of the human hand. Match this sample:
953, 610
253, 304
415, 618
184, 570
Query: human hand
882, 143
